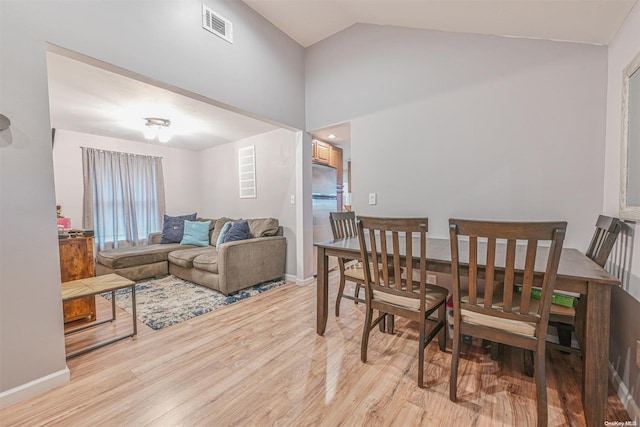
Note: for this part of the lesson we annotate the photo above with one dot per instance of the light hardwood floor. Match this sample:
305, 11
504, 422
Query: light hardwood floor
259, 362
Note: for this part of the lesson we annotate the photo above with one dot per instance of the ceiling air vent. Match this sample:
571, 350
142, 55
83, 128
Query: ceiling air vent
213, 22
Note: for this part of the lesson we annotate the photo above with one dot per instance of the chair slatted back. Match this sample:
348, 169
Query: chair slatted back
343, 225
488, 257
607, 230
389, 240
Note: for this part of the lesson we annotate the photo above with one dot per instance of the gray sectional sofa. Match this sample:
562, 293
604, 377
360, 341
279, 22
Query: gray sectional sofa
229, 268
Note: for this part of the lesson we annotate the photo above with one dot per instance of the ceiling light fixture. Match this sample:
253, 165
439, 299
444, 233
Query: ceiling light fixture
157, 128
331, 136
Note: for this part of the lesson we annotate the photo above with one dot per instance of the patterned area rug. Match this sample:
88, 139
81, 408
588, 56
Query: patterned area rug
170, 300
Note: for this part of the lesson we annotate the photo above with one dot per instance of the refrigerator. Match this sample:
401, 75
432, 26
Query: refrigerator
324, 200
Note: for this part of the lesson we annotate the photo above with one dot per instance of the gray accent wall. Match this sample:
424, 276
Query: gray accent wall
460, 125
262, 73
625, 315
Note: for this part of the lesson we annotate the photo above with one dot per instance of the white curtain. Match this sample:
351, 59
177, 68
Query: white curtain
123, 197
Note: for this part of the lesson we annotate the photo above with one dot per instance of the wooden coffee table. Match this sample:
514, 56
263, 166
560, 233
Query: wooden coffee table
92, 286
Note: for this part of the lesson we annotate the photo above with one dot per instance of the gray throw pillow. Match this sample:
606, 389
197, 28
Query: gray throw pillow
215, 235
173, 228
238, 231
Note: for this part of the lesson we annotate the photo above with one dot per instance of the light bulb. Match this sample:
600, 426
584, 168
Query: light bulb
150, 131
163, 134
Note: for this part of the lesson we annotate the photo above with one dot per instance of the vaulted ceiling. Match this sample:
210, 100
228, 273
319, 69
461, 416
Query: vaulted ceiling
585, 21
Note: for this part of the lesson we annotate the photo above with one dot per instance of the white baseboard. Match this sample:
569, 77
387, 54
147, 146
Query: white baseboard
307, 281
37, 386
625, 397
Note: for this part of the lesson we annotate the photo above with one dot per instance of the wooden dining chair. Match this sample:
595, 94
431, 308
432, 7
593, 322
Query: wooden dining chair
566, 320
343, 225
507, 318
569, 319
391, 289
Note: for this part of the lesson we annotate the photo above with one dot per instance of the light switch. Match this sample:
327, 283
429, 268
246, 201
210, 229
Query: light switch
373, 198
293, 199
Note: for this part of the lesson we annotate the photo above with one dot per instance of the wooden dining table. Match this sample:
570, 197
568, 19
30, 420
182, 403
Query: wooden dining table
576, 273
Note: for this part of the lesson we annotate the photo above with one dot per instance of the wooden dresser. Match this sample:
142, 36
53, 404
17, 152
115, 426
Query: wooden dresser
76, 262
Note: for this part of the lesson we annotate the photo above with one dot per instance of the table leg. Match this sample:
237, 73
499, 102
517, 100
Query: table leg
133, 309
113, 305
595, 359
322, 290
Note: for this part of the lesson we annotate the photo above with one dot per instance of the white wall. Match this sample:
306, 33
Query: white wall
276, 181
262, 73
181, 170
459, 125
625, 317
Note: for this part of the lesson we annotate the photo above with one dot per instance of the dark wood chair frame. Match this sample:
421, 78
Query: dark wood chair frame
343, 225
384, 237
604, 237
486, 303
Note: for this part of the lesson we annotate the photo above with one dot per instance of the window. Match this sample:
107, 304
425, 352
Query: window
123, 197
247, 172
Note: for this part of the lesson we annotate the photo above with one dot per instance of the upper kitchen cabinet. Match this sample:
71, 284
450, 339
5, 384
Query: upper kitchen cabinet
326, 154
321, 152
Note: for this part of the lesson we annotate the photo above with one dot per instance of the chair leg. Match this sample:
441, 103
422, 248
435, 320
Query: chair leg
496, 350
564, 336
421, 346
357, 293
340, 292
383, 323
528, 363
455, 359
365, 334
541, 387
390, 323
442, 320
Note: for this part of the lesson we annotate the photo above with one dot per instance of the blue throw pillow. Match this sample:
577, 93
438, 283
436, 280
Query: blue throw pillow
223, 232
173, 228
238, 231
196, 233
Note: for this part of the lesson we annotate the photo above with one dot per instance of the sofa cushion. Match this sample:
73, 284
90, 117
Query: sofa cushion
196, 233
185, 257
137, 255
223, 233
173, 228
212, 224
216, 231
263, 227
207, 262
238, 231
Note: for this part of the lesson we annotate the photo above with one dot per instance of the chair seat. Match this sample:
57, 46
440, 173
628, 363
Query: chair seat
562, 314
519, 327
355, 273
507, 325
561, 310
434, 295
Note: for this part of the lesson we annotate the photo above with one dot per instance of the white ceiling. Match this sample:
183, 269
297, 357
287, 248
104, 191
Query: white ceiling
89, 99
586, 21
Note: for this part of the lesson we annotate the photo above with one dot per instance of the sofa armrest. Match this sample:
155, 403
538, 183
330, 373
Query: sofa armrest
154, 238
248, 262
